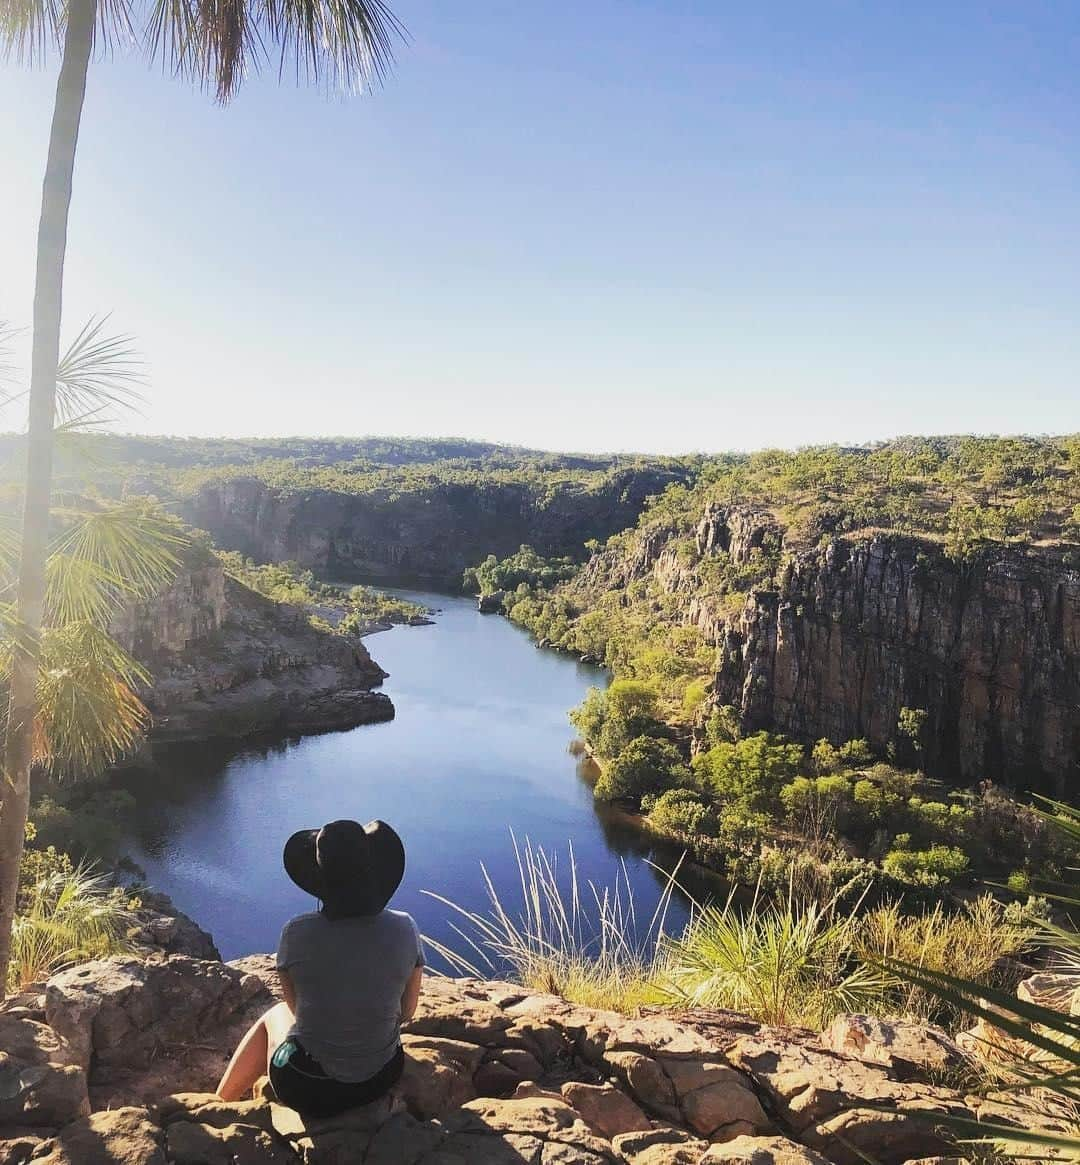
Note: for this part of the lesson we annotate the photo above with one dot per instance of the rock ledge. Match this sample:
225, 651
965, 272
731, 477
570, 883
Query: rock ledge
120, 1071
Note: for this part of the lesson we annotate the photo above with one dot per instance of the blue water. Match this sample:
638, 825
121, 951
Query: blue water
480, 748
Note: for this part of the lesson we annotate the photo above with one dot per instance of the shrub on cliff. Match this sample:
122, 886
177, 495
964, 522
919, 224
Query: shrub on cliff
935, 866
644, 766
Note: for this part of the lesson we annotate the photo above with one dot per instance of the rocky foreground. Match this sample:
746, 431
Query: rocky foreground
113, 1063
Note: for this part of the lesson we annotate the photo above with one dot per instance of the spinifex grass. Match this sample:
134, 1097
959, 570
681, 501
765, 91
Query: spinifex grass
973, 942
68, 916
586, 946
1044, 1075
781, 961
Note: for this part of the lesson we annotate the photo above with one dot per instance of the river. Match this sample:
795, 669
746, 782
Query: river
479, 750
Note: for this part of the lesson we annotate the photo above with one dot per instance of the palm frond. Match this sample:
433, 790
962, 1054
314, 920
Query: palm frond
79, 590
218, 42
98, 371
89, 715
110, 555
29, 27
9, 550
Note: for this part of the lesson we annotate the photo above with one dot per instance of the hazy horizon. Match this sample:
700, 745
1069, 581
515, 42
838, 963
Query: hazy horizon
568, 451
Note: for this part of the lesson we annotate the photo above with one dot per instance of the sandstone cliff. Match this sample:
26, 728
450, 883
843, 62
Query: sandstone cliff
425, 535
226, 662
841, 636
112, 1064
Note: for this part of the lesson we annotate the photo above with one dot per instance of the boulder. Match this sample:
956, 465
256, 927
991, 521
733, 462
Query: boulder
823, 1097
911, 1050
606, 1110
713, 1098
188, 1143
164, 927
1057, 990
647, 1080
660, 1145
438, 1075
124, 1136
39, 1084
127, 1011
762, 1151
17, 1145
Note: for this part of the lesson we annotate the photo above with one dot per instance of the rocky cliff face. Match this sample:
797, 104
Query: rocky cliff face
422, 535
226, 663
858, 629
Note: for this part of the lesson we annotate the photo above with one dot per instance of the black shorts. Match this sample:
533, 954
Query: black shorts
300, 1082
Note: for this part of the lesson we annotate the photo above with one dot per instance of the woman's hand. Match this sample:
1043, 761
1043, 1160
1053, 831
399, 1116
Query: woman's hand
411, 995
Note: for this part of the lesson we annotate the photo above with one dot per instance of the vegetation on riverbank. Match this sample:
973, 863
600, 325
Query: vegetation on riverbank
652, 604
837, 820
354, 610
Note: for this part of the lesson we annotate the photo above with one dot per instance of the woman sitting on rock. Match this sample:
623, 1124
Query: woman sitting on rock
350, 974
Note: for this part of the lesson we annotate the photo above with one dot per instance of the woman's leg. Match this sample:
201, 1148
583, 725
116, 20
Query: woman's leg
252, 1055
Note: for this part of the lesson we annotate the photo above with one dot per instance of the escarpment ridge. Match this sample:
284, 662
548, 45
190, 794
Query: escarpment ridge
834, 640
427, 532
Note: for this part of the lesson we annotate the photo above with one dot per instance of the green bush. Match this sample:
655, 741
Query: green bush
749, 772
66, 916
609, 719
819, 802
929, 867
855, 753
682, 813
645, 765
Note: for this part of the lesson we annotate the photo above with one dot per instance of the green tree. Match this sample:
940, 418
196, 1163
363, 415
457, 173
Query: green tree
682, 813
215, 43
751, 771
609, 719
644, 766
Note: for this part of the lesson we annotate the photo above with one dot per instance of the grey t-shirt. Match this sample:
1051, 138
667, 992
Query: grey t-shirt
349, 975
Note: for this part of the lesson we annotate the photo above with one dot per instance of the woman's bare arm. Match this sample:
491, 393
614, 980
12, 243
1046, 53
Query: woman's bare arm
411, 995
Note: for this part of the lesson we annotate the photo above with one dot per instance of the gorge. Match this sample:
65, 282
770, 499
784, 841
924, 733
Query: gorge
476, 756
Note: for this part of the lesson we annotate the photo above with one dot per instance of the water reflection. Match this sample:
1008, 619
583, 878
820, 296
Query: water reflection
479, 748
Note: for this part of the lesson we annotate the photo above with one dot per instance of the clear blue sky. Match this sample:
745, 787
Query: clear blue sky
659, 226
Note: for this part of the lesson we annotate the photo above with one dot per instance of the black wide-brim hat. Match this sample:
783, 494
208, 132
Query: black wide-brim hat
351, 868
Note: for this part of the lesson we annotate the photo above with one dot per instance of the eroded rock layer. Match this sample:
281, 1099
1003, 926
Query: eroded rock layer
424, 535
863, 626
226, 663
114, 1065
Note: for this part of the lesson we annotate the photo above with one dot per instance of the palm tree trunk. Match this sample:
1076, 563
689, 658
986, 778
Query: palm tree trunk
48, 289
